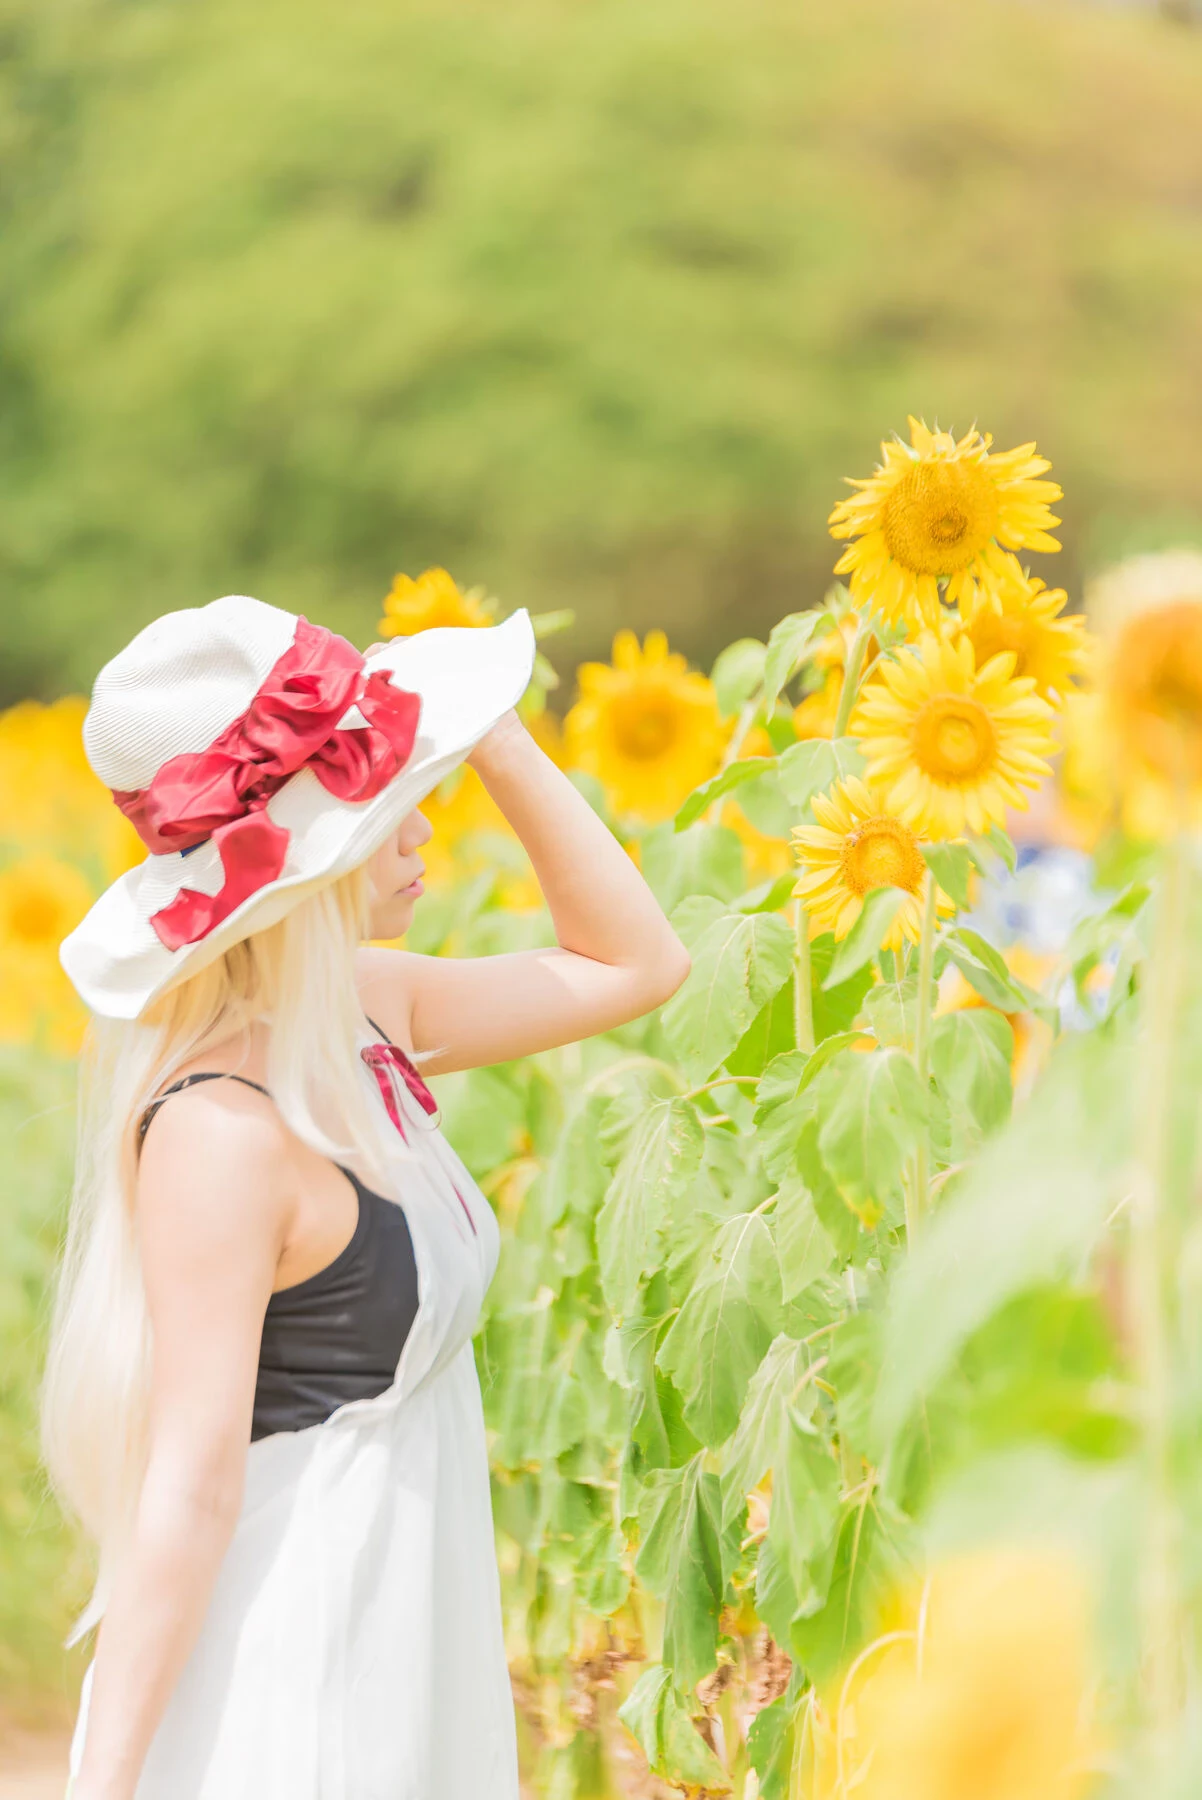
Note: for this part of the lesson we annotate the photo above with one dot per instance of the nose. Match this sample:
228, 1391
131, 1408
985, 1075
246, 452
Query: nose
415, 831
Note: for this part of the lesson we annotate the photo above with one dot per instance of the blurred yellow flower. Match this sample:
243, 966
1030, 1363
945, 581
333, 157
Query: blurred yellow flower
857, 845
952, 746
814, 717
937, 509
646, 726
431, 599
41, 900
994, 1705
49, 797
1154, 689
1023, 616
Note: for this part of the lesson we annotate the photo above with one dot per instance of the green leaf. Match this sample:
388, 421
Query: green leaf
1003, 843
1029, 1210
880, 909
770, 1741
812, 766
840, 1223
657, 1716
984, 968
804, 1516
764, 802
769, 896
873, 1111
682, 1562
971, 1052
738, 965
661, 1157
854, 1373
747, 768
770, 1034
787, 646
705, 859
803, 1245
835, 1009
692, 917
891, 1012
737, 673
657, 1426
781, 1386
780, 1111
871, 1561
546, 624
952, 866
724, 1327
576, 1177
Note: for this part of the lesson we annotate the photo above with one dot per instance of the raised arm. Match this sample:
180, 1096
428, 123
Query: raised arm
617, 956
211, 1219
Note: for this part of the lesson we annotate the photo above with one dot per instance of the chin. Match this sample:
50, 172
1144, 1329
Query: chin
392, 921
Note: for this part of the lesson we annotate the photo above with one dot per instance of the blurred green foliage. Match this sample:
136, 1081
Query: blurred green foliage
43, 1575
595, 303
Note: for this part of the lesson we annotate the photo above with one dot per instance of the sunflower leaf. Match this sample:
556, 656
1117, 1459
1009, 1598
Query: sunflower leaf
738, 964
737, 673
705, 859
720, 1334
952, 866
984, 968
866, 936
787, 647
660, 1159
811, 767
733, 776
873, 1110
657, 1716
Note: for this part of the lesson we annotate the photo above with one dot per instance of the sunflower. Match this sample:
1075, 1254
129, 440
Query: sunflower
433, 599
1154, 690
951, 745
941, 509
859, 844
49, 797
41, 900
996, 1707
646, 726
1023, 616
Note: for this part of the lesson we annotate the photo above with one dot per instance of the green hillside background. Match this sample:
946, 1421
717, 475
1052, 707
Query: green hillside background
594, 301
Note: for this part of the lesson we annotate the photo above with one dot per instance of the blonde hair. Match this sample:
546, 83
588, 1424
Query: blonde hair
300, 974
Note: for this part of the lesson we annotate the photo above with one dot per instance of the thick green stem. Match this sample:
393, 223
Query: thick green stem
803, 992
851, 676
1154, 1246
919, 1186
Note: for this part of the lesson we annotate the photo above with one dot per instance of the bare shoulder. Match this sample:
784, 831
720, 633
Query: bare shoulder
215, 1179
387, 981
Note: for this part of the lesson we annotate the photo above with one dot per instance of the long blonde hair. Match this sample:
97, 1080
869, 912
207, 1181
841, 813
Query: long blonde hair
300, 974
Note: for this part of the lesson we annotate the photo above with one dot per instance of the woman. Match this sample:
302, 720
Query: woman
261, 1398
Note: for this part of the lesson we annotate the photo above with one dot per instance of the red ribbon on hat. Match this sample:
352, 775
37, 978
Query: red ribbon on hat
291, 724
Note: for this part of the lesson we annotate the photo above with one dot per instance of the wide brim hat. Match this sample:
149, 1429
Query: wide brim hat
276, 758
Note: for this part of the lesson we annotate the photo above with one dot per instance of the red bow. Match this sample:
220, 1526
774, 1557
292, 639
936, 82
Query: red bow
382, 1057
291, 724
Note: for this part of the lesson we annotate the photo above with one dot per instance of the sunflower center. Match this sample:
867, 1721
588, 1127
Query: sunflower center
953, 738
882, 852
35, 918
939, 516
645, 728
993, 633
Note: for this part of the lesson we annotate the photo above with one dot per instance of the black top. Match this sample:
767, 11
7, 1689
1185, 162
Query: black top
338, 1335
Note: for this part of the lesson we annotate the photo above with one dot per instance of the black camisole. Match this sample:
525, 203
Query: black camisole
337, 1335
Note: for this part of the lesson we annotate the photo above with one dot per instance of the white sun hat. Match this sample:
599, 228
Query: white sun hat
259, 757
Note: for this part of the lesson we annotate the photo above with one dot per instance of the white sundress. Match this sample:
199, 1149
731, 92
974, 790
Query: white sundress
352, 1648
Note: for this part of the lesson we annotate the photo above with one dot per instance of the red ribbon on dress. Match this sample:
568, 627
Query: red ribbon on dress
291, 724
380, 1058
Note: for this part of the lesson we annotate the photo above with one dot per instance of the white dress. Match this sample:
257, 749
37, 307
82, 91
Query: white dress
352, 1648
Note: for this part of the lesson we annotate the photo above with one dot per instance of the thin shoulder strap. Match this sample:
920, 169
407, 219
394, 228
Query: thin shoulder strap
383, 1034
177, 1087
